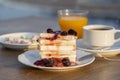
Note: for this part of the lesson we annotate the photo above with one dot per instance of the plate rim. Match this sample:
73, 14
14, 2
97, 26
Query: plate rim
55, 68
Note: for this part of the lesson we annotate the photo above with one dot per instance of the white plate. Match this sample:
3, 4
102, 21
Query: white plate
112, 51
28, 58
17, 46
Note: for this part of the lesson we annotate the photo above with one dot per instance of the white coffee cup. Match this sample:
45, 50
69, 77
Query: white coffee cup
99, 36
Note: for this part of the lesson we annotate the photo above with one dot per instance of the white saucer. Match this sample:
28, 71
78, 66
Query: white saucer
112, 51
28, 58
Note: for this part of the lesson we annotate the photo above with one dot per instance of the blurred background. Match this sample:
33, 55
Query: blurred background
101, 11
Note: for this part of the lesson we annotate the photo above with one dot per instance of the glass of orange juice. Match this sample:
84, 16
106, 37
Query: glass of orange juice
73, 19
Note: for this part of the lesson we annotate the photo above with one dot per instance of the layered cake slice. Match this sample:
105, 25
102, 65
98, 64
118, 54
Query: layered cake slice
58, 48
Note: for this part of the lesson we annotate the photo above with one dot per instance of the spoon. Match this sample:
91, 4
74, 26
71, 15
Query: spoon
109, 59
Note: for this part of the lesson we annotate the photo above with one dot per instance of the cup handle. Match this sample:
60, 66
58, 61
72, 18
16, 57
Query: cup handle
118, 38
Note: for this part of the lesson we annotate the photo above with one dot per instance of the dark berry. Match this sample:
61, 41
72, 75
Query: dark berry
37, 40
49, 62
72, 32
66, 62
39, 63
49, 30
63, 33
44, 62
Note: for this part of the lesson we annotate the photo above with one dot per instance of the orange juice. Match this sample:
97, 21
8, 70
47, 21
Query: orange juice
73, 22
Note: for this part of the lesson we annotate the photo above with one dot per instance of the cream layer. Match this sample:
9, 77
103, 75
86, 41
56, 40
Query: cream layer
58, 52
56, 48
57, 42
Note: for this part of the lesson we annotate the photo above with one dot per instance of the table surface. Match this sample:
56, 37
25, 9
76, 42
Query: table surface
11, 69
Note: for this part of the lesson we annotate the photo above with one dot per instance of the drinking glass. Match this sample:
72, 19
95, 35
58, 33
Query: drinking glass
73, 19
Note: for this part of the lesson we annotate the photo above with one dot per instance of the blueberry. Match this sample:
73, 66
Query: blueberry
63, 33
66, 62
72, 32
49, 30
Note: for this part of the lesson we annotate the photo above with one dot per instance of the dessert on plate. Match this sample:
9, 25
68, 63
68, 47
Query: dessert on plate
21, 39
57, 48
